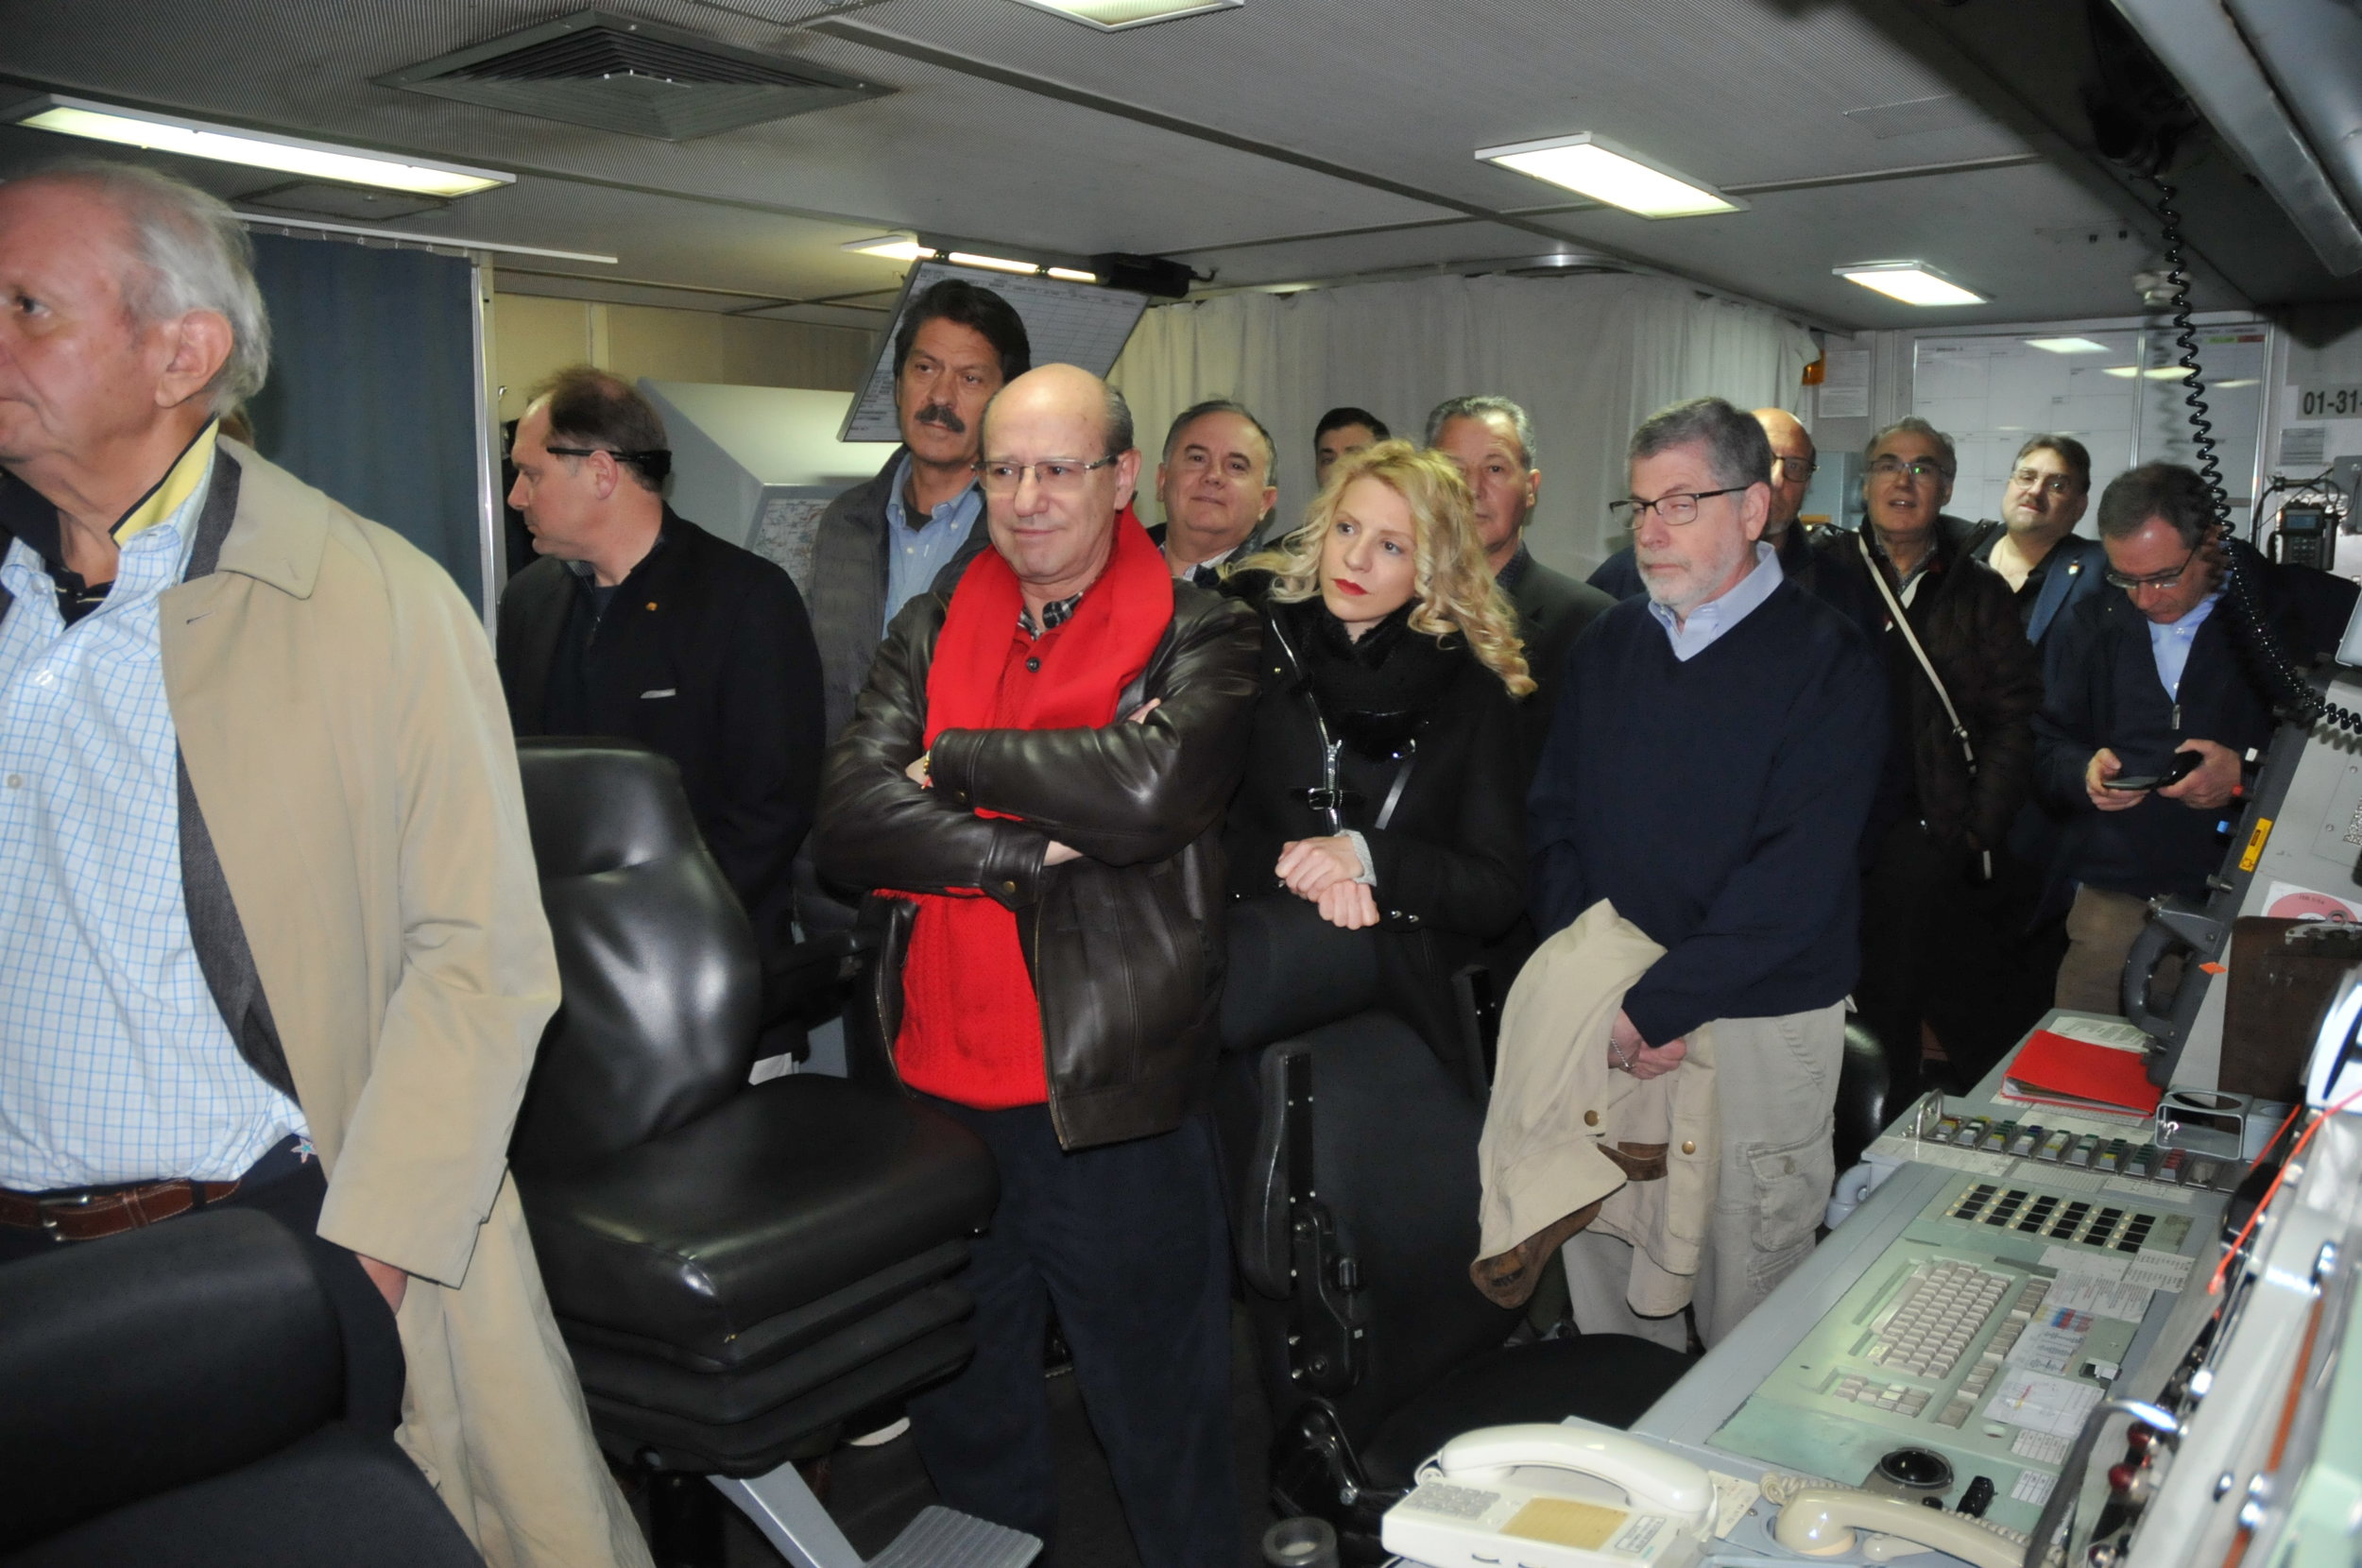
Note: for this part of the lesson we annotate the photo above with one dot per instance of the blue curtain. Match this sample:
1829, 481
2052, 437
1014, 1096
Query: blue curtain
372, 388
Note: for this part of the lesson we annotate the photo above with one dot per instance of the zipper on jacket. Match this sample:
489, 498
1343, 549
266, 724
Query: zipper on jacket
1330, 748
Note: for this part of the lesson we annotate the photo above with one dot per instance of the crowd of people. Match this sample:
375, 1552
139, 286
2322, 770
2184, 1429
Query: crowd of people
1747, 774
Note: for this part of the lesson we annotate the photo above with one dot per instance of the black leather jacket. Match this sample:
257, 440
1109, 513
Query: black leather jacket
1126, 944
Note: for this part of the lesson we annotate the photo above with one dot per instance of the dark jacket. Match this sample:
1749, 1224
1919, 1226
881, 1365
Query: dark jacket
1966, 619
705, 655
2103, 690
1124, 945
1619, 576
1552, 610
848, 585
2076, 569
1450, 860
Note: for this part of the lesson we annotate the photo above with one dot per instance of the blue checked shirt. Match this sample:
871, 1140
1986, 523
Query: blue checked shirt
114, 1063
916, 553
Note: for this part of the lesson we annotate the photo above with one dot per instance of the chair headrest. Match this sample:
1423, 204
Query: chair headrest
599, 805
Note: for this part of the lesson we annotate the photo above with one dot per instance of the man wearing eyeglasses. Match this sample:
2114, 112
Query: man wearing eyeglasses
2047, 565
1034, 780
2141, 680
1215, 486
1963, 685
1708, 774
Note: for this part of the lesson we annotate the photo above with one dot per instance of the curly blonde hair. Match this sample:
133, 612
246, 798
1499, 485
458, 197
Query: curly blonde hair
1451, 580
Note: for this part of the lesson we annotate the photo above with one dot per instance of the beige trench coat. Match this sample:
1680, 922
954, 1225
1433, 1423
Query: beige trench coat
344, 731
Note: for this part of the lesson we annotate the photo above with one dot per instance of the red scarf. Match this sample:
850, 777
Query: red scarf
971, 1022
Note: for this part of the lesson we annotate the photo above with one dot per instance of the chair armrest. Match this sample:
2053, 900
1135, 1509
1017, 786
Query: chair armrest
155, 1359
807, 983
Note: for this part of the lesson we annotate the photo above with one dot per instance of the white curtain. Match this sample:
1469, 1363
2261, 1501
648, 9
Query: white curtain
1587, 357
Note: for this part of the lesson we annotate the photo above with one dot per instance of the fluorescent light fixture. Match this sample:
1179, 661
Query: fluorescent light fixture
892, 247
136, 127
992, 263
2066, 345
1912, 282
1589, 165
2227, 385
1114, 16
2163, 372
1072, 275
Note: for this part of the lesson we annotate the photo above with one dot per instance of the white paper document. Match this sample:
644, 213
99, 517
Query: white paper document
2042, 1402
2095, 1295
2159, 1271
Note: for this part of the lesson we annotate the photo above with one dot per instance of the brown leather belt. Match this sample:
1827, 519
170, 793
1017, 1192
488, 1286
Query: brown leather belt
89, 1216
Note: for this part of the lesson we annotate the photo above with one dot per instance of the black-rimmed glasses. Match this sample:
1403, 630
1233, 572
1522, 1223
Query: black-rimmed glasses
2157, 579
1678, 509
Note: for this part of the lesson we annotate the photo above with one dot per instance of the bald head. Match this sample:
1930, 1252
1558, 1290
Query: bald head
1792, 459
1057, 465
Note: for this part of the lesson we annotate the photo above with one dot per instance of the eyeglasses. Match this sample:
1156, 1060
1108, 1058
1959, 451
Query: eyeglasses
2057, 483
2159, 579
1920, 468
1678, 509
1057, 476
656, 462
1795, 470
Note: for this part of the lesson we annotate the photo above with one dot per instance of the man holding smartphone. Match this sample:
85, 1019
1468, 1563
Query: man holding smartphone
2150, 711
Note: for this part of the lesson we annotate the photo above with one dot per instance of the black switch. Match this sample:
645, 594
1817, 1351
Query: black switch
1978, 1497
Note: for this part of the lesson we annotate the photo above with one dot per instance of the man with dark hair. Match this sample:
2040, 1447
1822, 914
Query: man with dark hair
1036, 778
1708, 775
1344, 430
271, 936
917, 524
2047, 565
2142, 677
1214, 483
1940, 819
1491, 440
638, 622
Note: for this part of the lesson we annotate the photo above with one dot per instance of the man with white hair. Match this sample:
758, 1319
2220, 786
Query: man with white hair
1708, 775
270, 933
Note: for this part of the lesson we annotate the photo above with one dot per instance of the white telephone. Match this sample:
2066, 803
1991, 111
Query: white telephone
1628, 1505
1826, 1522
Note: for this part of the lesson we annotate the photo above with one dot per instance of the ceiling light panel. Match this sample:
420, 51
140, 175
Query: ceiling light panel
1114, 16
259, 150
1605, 172
2066, 345
892, 247
1912, 282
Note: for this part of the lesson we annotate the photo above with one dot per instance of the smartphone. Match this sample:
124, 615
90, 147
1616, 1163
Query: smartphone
2184, 765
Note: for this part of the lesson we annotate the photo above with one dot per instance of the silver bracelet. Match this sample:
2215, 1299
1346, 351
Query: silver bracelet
1628, 1061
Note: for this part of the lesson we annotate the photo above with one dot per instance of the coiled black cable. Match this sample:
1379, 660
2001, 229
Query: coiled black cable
2298, 701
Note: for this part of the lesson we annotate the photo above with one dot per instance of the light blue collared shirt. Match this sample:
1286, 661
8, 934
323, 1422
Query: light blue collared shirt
2169, 643
914, 555
114, 1063
1710, 620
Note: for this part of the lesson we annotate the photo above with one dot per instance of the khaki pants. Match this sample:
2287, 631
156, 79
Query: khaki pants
1778, 1083
2102, 928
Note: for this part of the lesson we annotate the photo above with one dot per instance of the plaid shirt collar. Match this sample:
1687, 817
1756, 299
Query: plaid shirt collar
1054, 615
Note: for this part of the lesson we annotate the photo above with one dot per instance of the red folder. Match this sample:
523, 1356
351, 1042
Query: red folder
2055, 1069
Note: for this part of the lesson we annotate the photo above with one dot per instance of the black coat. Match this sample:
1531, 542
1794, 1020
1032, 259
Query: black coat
1552, 610
1966, 619
1450, 861
706, 656
1125, 946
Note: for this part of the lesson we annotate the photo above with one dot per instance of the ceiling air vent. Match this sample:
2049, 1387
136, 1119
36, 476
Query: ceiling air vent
639, 78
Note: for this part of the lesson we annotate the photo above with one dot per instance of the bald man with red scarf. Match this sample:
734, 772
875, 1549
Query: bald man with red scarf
1033, 783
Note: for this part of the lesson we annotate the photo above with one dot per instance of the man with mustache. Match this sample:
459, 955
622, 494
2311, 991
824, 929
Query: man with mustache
915, 527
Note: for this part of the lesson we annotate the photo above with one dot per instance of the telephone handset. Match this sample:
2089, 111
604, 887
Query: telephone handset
1628, 1505
1824, 1521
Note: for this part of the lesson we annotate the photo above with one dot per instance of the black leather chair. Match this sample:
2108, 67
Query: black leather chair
175, 1397
1863, 1093
1350, 1150
736, 1269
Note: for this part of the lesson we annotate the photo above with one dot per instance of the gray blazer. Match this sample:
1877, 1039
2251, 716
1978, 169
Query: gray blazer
848, 590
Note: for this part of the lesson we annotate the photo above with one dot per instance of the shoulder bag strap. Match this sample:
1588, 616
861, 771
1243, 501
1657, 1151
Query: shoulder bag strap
1910, 640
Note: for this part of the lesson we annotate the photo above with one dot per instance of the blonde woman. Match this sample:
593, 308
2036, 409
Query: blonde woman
1384, 784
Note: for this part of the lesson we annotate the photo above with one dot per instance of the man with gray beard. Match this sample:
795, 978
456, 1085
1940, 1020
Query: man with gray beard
1708, 774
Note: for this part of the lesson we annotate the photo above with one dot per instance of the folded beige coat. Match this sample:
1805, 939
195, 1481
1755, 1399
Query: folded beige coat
1570, 1141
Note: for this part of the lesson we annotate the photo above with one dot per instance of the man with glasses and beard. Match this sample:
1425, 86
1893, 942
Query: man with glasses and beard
1708, 775
2145, 681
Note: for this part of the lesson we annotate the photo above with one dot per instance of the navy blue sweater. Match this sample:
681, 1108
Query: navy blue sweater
1717, 804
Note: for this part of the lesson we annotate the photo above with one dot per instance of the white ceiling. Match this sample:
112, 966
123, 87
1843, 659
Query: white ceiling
1283, 141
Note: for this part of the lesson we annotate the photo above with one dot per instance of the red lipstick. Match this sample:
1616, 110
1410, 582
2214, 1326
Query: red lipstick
1354, 588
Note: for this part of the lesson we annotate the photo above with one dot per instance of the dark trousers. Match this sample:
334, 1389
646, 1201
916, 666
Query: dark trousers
373, 1362
1909, 893
1129, 1243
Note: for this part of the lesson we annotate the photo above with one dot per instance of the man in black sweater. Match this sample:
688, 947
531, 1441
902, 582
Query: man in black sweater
2141, 674
637, 623
1491, 439
1709, 774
